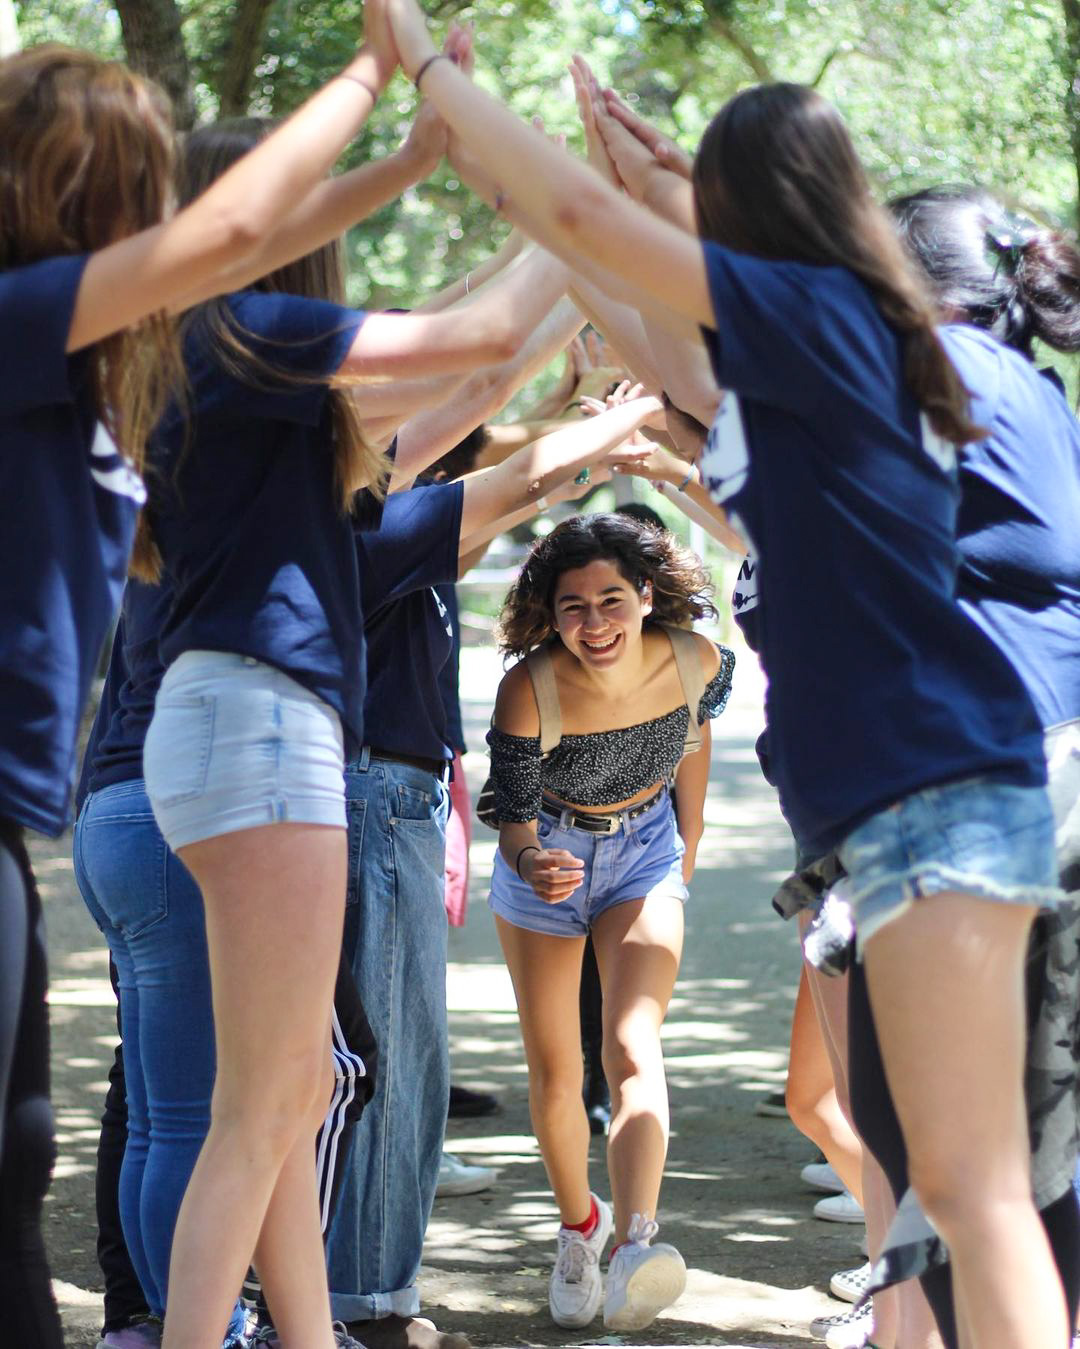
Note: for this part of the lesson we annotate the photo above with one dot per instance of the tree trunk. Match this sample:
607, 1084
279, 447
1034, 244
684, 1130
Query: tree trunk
1071, 61
242, 55
155, 47
9, 29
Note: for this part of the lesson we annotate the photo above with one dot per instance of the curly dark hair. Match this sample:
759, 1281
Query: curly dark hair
643, 554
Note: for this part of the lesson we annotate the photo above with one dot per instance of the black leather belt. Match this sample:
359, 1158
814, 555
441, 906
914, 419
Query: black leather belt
436, 767
602, 824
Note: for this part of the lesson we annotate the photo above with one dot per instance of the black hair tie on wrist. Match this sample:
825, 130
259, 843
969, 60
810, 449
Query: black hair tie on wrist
529, 847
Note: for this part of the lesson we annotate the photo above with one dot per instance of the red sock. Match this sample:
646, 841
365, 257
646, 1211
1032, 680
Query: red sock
588, 1227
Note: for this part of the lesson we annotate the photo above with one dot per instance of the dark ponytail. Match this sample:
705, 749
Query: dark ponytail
999, 270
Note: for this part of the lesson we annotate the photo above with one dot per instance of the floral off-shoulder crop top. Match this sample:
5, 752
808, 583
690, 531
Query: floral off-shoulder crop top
601, 767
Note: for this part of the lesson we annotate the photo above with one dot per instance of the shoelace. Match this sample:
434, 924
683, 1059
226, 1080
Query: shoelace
574, 1255
642, 1229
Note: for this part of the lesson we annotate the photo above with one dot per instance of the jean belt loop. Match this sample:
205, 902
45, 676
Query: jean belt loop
364, 761
566, 818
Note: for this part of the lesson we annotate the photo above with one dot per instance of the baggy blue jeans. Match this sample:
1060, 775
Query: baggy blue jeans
395, 938
150, 912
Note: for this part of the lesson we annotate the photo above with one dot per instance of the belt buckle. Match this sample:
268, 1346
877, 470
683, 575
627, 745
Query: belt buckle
612, 824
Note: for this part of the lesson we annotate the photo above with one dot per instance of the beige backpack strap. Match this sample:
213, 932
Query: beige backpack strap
688, 664
542, 674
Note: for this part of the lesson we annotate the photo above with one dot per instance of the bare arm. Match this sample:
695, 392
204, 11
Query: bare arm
532, 472
473, 548
430, 433
691, 784
622, 325
456, 290
564, 204
681, 483
496, 327
205, 248
336, 205
554, 874
685, 370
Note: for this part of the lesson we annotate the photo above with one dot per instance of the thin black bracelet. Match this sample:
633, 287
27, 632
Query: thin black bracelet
424, 68
362, 83
529, 847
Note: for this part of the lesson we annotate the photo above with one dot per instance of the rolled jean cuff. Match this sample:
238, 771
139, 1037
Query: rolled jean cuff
372, 1306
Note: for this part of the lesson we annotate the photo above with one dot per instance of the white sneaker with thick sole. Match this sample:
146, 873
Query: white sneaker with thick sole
850, 1330
821, 1176
839, 1208
642, 1279
576, 1287
457, 1177
850, 1284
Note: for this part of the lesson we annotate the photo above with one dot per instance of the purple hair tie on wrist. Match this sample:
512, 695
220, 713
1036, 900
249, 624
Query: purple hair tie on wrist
424, 68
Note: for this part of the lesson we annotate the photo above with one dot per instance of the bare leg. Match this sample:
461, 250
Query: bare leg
946, 985
902, 1315
638, 946
275, 900
811, 1093
546, 973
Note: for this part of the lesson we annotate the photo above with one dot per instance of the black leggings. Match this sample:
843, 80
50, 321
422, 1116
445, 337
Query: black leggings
879, 1128
27, 1150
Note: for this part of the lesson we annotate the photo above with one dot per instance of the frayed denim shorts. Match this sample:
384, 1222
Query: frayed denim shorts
641, 859
978, 836
234, 744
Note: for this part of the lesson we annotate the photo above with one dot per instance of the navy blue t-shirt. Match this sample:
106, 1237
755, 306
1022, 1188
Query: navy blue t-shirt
68, 503
822, 459
1019, 526
246, 511
405, 623
114, 750
450, 674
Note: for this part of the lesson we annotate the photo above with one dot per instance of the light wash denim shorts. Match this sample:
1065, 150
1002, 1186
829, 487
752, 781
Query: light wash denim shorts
977, 836
234, 744
641, 859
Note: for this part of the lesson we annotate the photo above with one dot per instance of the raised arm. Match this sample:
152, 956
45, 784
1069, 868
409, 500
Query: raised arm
494, 328
564, 204
202, 249
337, 204
533, 471
430, 433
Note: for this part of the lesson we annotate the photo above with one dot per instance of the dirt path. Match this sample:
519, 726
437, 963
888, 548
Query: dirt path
732, 1199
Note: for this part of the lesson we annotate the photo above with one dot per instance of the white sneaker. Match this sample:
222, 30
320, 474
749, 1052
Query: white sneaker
457, 1177
851, 1330
850, 1284
642, 1279
840, 1208
821, 1176
576, 1286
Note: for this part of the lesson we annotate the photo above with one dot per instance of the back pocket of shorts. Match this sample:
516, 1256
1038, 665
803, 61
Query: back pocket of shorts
176, 755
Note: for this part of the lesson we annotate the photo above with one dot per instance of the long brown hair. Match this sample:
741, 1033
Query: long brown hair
87, 157
644, 556
319, 275
776, 175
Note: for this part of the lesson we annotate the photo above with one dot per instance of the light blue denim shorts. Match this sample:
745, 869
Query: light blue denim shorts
234, 744
978, 836
641, 859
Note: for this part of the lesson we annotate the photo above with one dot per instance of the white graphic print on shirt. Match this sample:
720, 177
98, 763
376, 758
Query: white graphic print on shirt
745, 594
111, 471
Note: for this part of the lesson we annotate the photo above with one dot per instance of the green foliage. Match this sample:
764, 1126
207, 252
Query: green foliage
934, 90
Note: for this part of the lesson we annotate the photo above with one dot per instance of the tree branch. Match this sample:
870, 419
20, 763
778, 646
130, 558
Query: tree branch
242, 55
734, 38
1071, 71
155, 46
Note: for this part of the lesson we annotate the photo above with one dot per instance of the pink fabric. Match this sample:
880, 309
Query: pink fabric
458, 838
